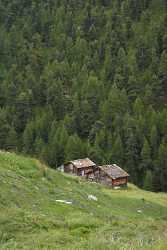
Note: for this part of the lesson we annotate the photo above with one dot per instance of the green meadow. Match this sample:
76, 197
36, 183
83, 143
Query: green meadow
32, 217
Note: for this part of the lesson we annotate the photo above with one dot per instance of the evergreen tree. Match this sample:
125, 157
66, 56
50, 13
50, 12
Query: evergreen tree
29, 138
154, 141
11, 140
39, 146
148, 181
5, 130
117, 152
74, 148
161, 168
56, 147
138, 107
117, 103
146, 154
145, 164
162, 66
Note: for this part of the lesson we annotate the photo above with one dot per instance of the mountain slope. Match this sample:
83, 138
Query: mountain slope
91, 74
31, 218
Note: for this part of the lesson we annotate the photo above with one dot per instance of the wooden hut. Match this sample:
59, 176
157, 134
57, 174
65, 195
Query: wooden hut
112, 175
81, 167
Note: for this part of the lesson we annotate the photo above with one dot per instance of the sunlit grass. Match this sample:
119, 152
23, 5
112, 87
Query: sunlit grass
31, 218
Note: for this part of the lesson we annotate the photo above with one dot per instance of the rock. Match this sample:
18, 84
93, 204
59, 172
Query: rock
64, 201
92, 197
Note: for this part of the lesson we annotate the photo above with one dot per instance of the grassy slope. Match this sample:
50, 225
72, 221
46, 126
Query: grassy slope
30, 217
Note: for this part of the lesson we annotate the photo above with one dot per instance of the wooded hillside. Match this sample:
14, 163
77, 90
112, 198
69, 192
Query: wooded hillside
86, 78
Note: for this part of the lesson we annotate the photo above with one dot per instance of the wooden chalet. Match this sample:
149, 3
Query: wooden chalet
112, 175
81, 167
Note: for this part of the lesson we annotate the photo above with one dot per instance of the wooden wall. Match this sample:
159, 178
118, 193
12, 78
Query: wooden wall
120, 181
108, 181
68, 168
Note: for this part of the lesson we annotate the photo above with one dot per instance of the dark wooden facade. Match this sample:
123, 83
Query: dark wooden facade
112, 176
81, 167
120, 181
109, 175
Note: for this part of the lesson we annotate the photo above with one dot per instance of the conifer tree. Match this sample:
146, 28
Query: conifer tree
56, 147
161, 168
154, 141
74, 148
4, 128
117, 155
29, 138
12, 140
148, 181
138, 107
146, 163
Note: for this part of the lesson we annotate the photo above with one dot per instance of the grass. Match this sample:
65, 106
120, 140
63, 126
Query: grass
31, 218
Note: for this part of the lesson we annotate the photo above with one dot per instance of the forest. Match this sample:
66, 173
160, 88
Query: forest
86, 79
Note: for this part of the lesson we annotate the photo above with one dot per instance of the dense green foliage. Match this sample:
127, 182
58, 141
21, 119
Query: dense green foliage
32, 218
86, 78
